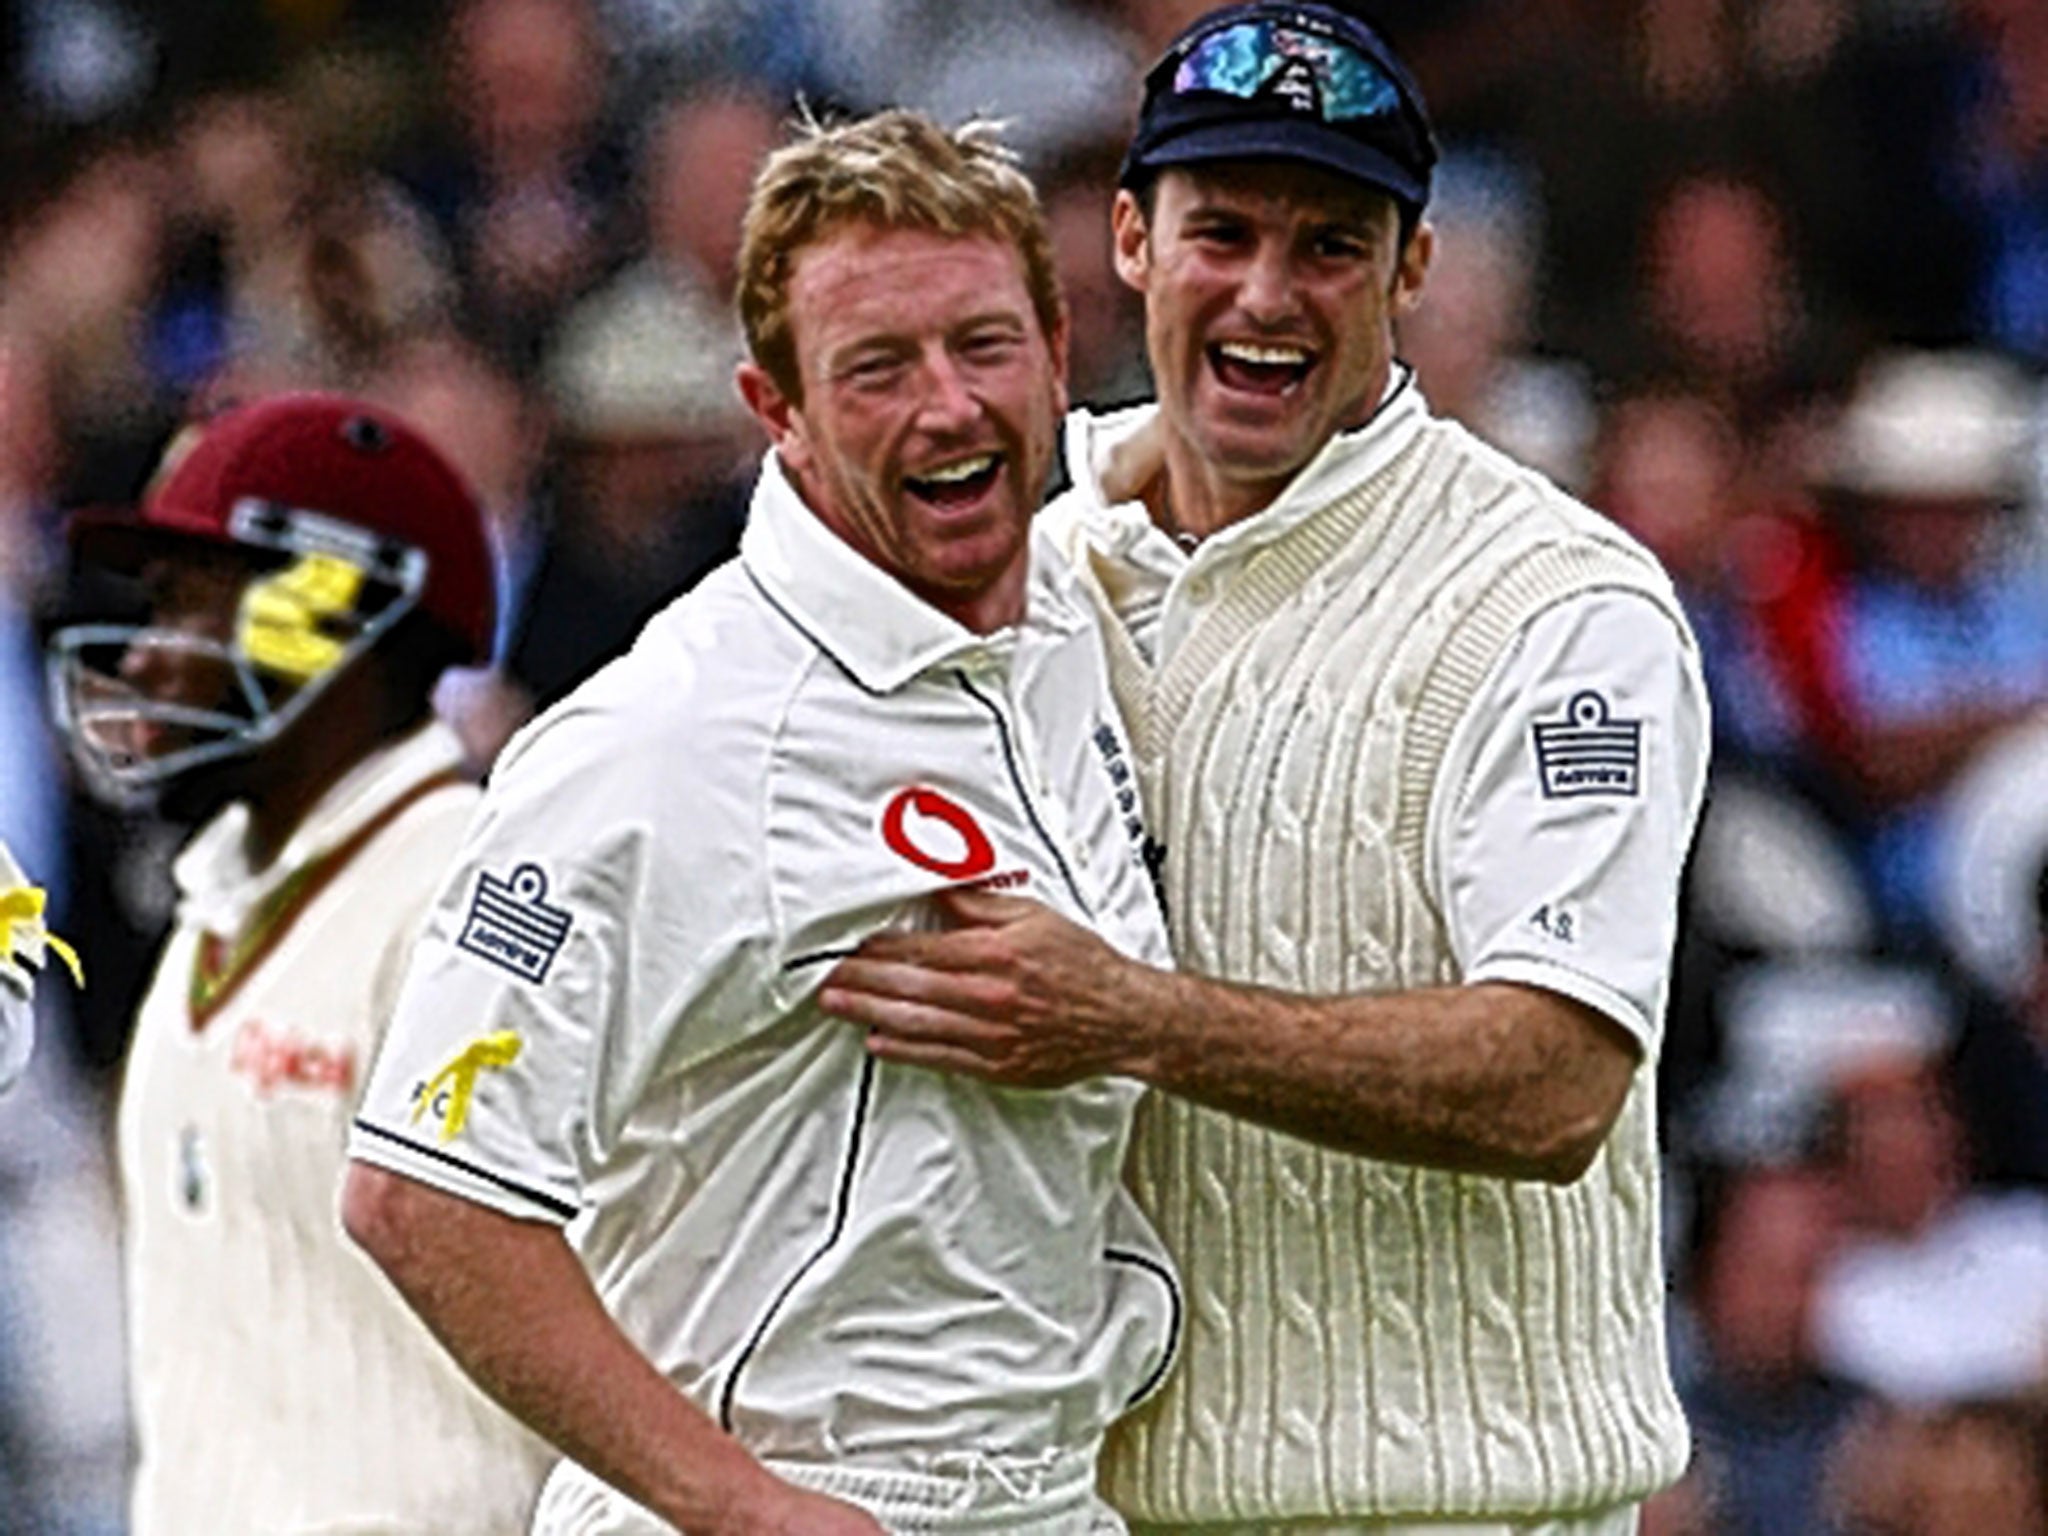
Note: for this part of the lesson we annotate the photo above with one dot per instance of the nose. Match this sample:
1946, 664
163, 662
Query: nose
140, 662
154, 665
949, 405
1266, 292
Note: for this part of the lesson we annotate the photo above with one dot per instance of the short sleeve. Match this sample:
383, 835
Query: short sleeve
1567, 804
560, 964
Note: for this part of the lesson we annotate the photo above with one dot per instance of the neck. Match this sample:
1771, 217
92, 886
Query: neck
999, 605
280, 806
1190, 501
308, 760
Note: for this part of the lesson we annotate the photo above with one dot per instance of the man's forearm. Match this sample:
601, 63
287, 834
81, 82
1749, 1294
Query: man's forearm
1491, 1078
511, 1302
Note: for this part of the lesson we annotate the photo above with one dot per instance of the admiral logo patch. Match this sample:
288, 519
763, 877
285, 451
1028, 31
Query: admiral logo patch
1589, 752
511, 924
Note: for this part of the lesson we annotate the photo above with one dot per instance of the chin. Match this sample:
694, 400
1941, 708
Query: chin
1260, 453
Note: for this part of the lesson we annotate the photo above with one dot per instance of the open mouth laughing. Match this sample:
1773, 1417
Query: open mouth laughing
1260, 368
958, 485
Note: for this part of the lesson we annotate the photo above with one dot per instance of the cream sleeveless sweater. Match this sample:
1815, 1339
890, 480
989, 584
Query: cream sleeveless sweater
1365, 1339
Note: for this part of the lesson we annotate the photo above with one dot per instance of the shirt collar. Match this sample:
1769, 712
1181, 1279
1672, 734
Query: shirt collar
213, 873
868, 621
1347, 460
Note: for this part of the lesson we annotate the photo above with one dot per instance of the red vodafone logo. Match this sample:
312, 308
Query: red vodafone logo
934, 833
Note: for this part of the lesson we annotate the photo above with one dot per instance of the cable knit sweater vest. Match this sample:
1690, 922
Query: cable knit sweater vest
1363, 1338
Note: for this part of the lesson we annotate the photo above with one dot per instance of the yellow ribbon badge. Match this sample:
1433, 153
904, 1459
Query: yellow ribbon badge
459, 1077
22, 907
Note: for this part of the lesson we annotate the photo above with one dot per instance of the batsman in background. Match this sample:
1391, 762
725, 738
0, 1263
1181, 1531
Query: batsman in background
309, 566
1425, 740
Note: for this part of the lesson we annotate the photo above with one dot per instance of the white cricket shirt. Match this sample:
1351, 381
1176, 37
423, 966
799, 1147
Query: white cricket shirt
611, 1022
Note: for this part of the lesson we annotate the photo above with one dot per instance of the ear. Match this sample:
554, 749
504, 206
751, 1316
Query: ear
1413, 267
1130, 240
779, 416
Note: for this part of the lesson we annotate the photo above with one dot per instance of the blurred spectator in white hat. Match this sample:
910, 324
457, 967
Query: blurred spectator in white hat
1938, 1289
1942, 642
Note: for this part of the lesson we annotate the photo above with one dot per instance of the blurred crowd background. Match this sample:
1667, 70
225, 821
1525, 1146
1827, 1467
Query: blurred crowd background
1766, 281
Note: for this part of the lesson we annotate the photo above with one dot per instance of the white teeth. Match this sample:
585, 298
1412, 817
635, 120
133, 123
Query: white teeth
966, 469
1251, 352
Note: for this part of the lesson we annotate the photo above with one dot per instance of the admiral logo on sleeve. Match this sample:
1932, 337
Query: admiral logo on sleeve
511, 924
1589, 751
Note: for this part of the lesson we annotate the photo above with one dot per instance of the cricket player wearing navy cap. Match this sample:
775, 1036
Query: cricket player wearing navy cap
1424, 741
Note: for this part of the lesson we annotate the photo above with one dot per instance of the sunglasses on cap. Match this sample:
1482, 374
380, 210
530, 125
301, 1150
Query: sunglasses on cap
1293, 61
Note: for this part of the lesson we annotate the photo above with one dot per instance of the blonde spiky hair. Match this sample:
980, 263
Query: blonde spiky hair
894, 170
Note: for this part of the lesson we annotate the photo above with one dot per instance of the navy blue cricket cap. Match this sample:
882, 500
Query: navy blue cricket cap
1270, 80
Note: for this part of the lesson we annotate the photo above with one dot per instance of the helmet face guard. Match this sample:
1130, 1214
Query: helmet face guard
325, 593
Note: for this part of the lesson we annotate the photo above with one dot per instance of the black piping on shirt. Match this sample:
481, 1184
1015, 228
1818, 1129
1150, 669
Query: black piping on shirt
799, 626
553, 1203
1024, 795
1165, 1277
817, 957
841, 1206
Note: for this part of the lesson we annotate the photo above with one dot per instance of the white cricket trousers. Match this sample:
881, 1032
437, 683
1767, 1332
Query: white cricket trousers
973, 1495
967, 1495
